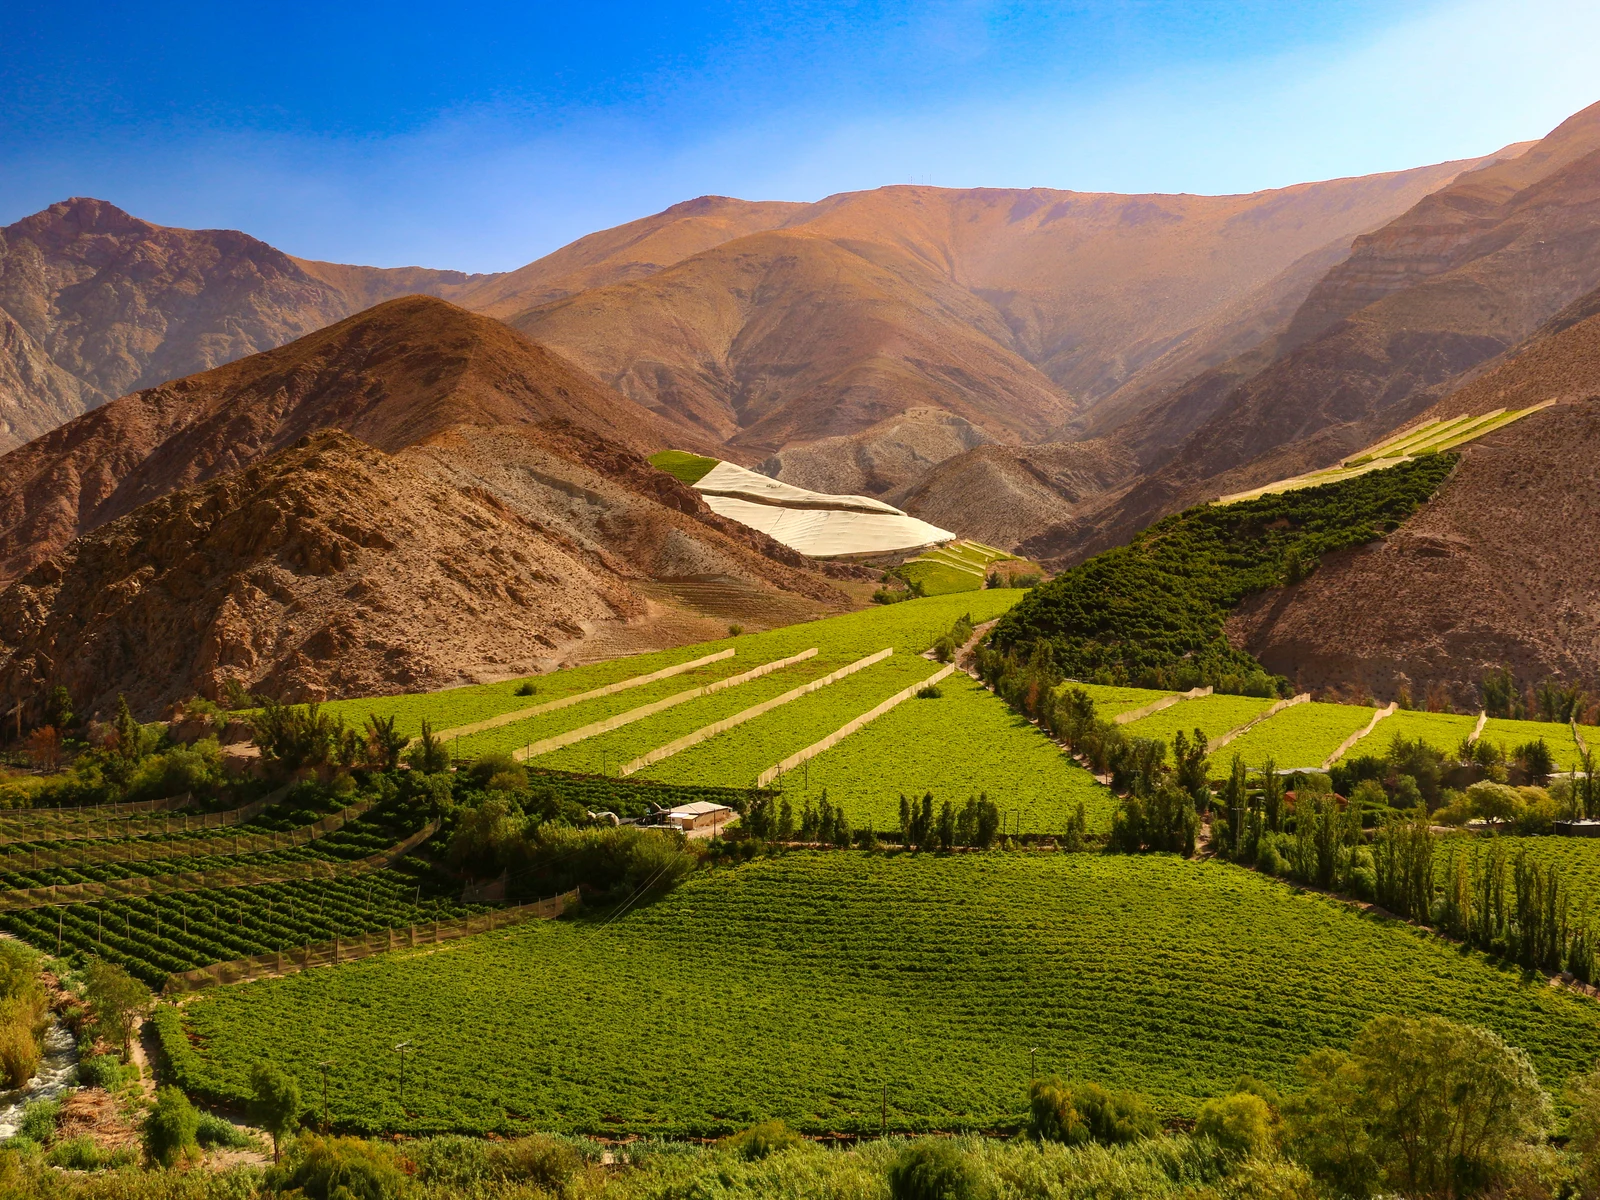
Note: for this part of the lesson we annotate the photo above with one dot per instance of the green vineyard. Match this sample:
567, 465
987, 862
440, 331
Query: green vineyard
844, 974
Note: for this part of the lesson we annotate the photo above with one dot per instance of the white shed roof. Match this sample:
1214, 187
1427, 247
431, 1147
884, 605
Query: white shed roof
698, 809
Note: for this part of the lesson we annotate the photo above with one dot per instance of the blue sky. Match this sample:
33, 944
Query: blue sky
480, 136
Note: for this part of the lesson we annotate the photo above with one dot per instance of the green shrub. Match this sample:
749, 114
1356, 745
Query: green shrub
934, 1169
527, 688
762, 1139
101, 1071
38, 1122
211, 1131
338, 1169
931, 692
82, 1154
169, 1130
1113, 1118
1241, 1123
543, 1161
1052, 1117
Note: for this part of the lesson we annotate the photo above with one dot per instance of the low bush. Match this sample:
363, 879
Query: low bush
212, 1131
934, 1169
338, 1169
1241, 1123
762, 1139
169, 1130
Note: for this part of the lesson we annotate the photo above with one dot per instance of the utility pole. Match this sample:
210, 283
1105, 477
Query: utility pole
401, 1050
325, 1064
1032, 1075
883, 1124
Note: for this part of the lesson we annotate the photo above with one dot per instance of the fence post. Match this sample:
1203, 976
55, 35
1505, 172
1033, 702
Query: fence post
335, 947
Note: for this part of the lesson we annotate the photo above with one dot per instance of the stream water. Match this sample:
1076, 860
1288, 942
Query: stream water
58, 1070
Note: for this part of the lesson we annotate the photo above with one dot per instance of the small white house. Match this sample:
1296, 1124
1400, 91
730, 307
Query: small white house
702, 814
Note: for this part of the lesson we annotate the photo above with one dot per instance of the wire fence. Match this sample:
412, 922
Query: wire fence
197, 881
102, 853
324, 954
146, 825
96, 812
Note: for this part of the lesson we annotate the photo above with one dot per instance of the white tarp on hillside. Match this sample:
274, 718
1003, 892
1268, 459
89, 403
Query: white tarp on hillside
814, 523
728, 479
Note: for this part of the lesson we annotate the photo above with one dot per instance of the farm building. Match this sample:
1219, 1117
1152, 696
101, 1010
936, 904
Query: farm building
702, 814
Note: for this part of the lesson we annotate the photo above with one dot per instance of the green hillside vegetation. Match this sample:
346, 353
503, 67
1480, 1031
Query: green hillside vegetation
1300, 736
950, 969
963, 743
685, 467
1152, 613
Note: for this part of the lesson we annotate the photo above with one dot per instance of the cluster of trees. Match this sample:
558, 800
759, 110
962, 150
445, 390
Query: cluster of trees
1153, 611
1551, 700
501, 820
1514, 908
773, 819
976, 823
119, 760
1480, 780
295, 738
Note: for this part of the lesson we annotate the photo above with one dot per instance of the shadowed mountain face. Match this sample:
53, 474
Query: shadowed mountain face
461, 422
1419, 305
1493, 572
95, 303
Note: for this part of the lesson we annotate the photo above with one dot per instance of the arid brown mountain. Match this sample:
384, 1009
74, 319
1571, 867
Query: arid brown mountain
783, 337
95, 303
1419, 305
391, 376
1493, 572
445, 403
1022, 314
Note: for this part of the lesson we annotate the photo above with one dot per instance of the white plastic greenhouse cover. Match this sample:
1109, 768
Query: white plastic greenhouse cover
827, 532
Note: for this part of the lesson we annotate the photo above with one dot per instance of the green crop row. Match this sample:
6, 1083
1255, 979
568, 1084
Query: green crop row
965, 742
376, 831
154, 936
802, 987
1302, 735
1508, 735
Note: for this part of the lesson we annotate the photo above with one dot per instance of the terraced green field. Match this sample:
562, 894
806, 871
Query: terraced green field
1443, 731
736, 758
1511, 734
1110, 701
799, 987
1213, 715
1002, 754
1301, 736
910, 627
